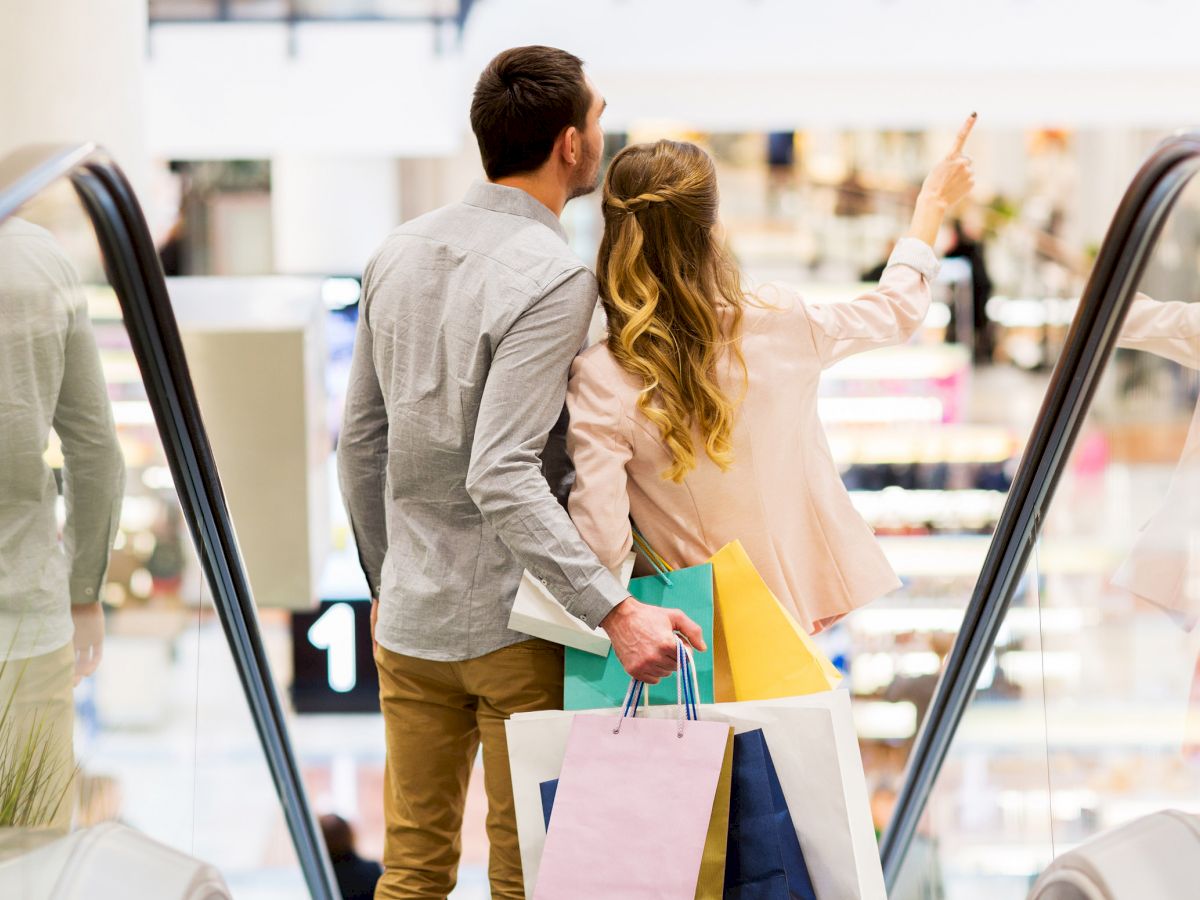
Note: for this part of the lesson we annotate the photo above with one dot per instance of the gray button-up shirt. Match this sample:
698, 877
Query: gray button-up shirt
469, 320
50, 377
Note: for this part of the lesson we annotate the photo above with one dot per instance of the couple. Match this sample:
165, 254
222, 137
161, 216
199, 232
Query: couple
697, 416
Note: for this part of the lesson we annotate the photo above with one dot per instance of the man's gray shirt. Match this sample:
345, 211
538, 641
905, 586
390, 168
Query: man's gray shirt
469, 320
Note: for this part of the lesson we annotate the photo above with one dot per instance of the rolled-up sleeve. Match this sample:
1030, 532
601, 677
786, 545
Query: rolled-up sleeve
888, 315
522, 399
600, 447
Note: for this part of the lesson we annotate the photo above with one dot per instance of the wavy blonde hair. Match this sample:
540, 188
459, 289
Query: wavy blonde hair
664, 277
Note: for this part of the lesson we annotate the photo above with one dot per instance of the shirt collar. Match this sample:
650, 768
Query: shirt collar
504, 199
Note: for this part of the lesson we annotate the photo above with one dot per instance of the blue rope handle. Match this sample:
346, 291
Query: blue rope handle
688, 705
687, 668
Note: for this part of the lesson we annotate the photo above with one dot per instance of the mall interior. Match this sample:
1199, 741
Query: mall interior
1034, 683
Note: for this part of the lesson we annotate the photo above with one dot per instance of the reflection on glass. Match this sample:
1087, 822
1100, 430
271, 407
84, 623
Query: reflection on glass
1120, 689
1099, 725
986, 832
122, 717
51, 621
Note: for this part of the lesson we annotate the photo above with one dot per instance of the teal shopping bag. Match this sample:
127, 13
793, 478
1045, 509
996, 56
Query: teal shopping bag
595, 682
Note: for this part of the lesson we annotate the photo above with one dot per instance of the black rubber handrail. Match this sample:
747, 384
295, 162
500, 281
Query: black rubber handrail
1110, 289
137, 278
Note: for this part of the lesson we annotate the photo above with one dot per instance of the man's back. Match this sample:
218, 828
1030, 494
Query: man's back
439, 295
446, 297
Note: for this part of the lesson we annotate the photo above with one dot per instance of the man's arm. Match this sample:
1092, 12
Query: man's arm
362, 455
93, 466
522, 400
93, 481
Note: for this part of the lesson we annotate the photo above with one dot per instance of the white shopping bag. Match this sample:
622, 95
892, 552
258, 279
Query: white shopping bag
536, 612
815, 751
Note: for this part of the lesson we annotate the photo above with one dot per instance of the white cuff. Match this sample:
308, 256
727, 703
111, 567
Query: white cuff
916, 254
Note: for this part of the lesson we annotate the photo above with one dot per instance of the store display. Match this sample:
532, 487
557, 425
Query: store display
256, 352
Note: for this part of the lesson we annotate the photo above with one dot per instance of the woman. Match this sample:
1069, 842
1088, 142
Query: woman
698, 416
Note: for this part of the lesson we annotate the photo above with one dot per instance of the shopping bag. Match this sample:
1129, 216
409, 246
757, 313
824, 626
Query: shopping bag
536, 612
764, 859
759, 651
711, 884
814, 748
549, 789
593, 682
628, 778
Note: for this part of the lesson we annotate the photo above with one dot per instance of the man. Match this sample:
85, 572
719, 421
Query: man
469, 321
51, 621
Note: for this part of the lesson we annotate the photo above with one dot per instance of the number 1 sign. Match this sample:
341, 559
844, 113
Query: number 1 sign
333, 669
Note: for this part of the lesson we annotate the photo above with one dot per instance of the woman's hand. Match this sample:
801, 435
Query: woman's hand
951, 180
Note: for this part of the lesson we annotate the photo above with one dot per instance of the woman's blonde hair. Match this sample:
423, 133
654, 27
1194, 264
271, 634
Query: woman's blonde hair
664, 275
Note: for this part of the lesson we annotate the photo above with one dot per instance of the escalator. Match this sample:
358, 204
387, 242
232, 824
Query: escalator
89, 346
1092, 559
189, 608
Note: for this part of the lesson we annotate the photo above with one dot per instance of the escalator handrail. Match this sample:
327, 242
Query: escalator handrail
137, 278
1093, 335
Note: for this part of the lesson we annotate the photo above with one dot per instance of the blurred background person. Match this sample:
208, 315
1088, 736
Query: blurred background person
356, 877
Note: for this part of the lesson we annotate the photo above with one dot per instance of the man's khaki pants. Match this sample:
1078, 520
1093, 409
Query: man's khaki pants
436, 714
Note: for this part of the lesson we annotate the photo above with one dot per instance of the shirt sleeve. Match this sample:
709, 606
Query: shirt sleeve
888, 315
93, 465
1167, 329
600, 448
522, 399
362, 453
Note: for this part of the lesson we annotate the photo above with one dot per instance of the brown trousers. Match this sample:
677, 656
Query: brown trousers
436, 714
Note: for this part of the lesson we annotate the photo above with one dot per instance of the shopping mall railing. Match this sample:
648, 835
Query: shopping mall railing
137, 278
296, 11
1109, 292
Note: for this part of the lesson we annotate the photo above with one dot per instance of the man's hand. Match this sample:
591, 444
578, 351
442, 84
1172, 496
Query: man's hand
374, 620
89, 638
644, 638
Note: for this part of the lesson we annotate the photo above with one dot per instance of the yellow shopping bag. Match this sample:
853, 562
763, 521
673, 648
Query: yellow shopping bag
711, 883
759, 651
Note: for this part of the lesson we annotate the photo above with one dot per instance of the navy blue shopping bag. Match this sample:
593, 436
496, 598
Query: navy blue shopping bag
764, 860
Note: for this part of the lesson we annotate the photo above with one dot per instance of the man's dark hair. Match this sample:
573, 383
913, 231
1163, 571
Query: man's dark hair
523, 100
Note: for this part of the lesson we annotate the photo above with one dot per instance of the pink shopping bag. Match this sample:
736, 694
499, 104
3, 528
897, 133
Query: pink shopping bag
634, 801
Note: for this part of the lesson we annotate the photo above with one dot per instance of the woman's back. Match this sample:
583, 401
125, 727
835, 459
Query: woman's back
782, 496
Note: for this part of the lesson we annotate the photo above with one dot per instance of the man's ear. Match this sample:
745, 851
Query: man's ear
570, 145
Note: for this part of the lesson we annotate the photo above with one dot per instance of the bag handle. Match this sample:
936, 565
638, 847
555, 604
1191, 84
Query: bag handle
661, 567
687, 703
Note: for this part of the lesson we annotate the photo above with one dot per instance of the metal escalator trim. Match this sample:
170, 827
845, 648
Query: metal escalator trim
137, 278
1106, 298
